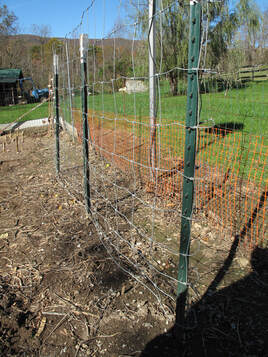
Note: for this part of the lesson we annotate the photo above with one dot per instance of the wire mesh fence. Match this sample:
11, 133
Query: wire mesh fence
129, 109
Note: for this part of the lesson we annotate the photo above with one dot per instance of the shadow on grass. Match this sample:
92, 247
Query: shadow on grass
232, 321
218, 132
225, 128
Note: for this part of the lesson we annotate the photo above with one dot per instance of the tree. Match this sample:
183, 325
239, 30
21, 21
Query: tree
263, 38
265, 29
13, 55
43, 32
41, 58
172, 39
8, 21
171, 36
223, 25
8, 26
173, 31
250, 24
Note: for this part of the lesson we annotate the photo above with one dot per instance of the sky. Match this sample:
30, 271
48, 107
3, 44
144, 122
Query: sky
64, 15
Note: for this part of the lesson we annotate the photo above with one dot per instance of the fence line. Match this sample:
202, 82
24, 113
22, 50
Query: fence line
138, 151
252, 70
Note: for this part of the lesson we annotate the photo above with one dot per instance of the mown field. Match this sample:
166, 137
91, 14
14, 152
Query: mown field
235, 122
247, 106
12, 113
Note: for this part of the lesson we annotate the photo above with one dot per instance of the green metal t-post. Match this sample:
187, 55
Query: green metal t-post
189, 155
57, 117
83, 52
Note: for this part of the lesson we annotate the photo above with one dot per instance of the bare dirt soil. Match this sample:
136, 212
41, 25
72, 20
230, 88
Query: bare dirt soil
61, 294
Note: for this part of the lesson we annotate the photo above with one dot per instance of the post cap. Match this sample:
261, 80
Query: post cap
83, 45
56, 63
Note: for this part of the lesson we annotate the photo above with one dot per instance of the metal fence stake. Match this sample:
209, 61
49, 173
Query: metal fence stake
83, 56
152, 87
189, 155
57, 118
69, 86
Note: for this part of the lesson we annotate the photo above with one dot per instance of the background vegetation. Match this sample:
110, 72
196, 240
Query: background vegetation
238, 36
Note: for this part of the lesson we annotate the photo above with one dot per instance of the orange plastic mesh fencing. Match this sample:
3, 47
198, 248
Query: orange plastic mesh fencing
231, 182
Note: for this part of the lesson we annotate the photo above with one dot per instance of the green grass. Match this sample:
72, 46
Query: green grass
247, 106
9, 114
244, 111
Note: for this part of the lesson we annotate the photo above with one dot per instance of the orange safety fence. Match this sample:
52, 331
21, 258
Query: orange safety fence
231, 182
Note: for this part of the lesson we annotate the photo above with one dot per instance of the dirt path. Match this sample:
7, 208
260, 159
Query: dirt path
61, 294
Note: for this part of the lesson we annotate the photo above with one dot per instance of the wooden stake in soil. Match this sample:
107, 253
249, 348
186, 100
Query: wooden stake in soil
57, 120
17, 143
83, 51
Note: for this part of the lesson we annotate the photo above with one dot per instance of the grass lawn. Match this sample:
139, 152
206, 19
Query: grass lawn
247, 107
244, 111
8, 114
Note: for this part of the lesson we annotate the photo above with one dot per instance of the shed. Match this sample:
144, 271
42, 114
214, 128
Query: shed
9, 85
135, 86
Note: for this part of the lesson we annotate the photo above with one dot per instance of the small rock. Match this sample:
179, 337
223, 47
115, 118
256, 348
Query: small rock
243, 262
197, 226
